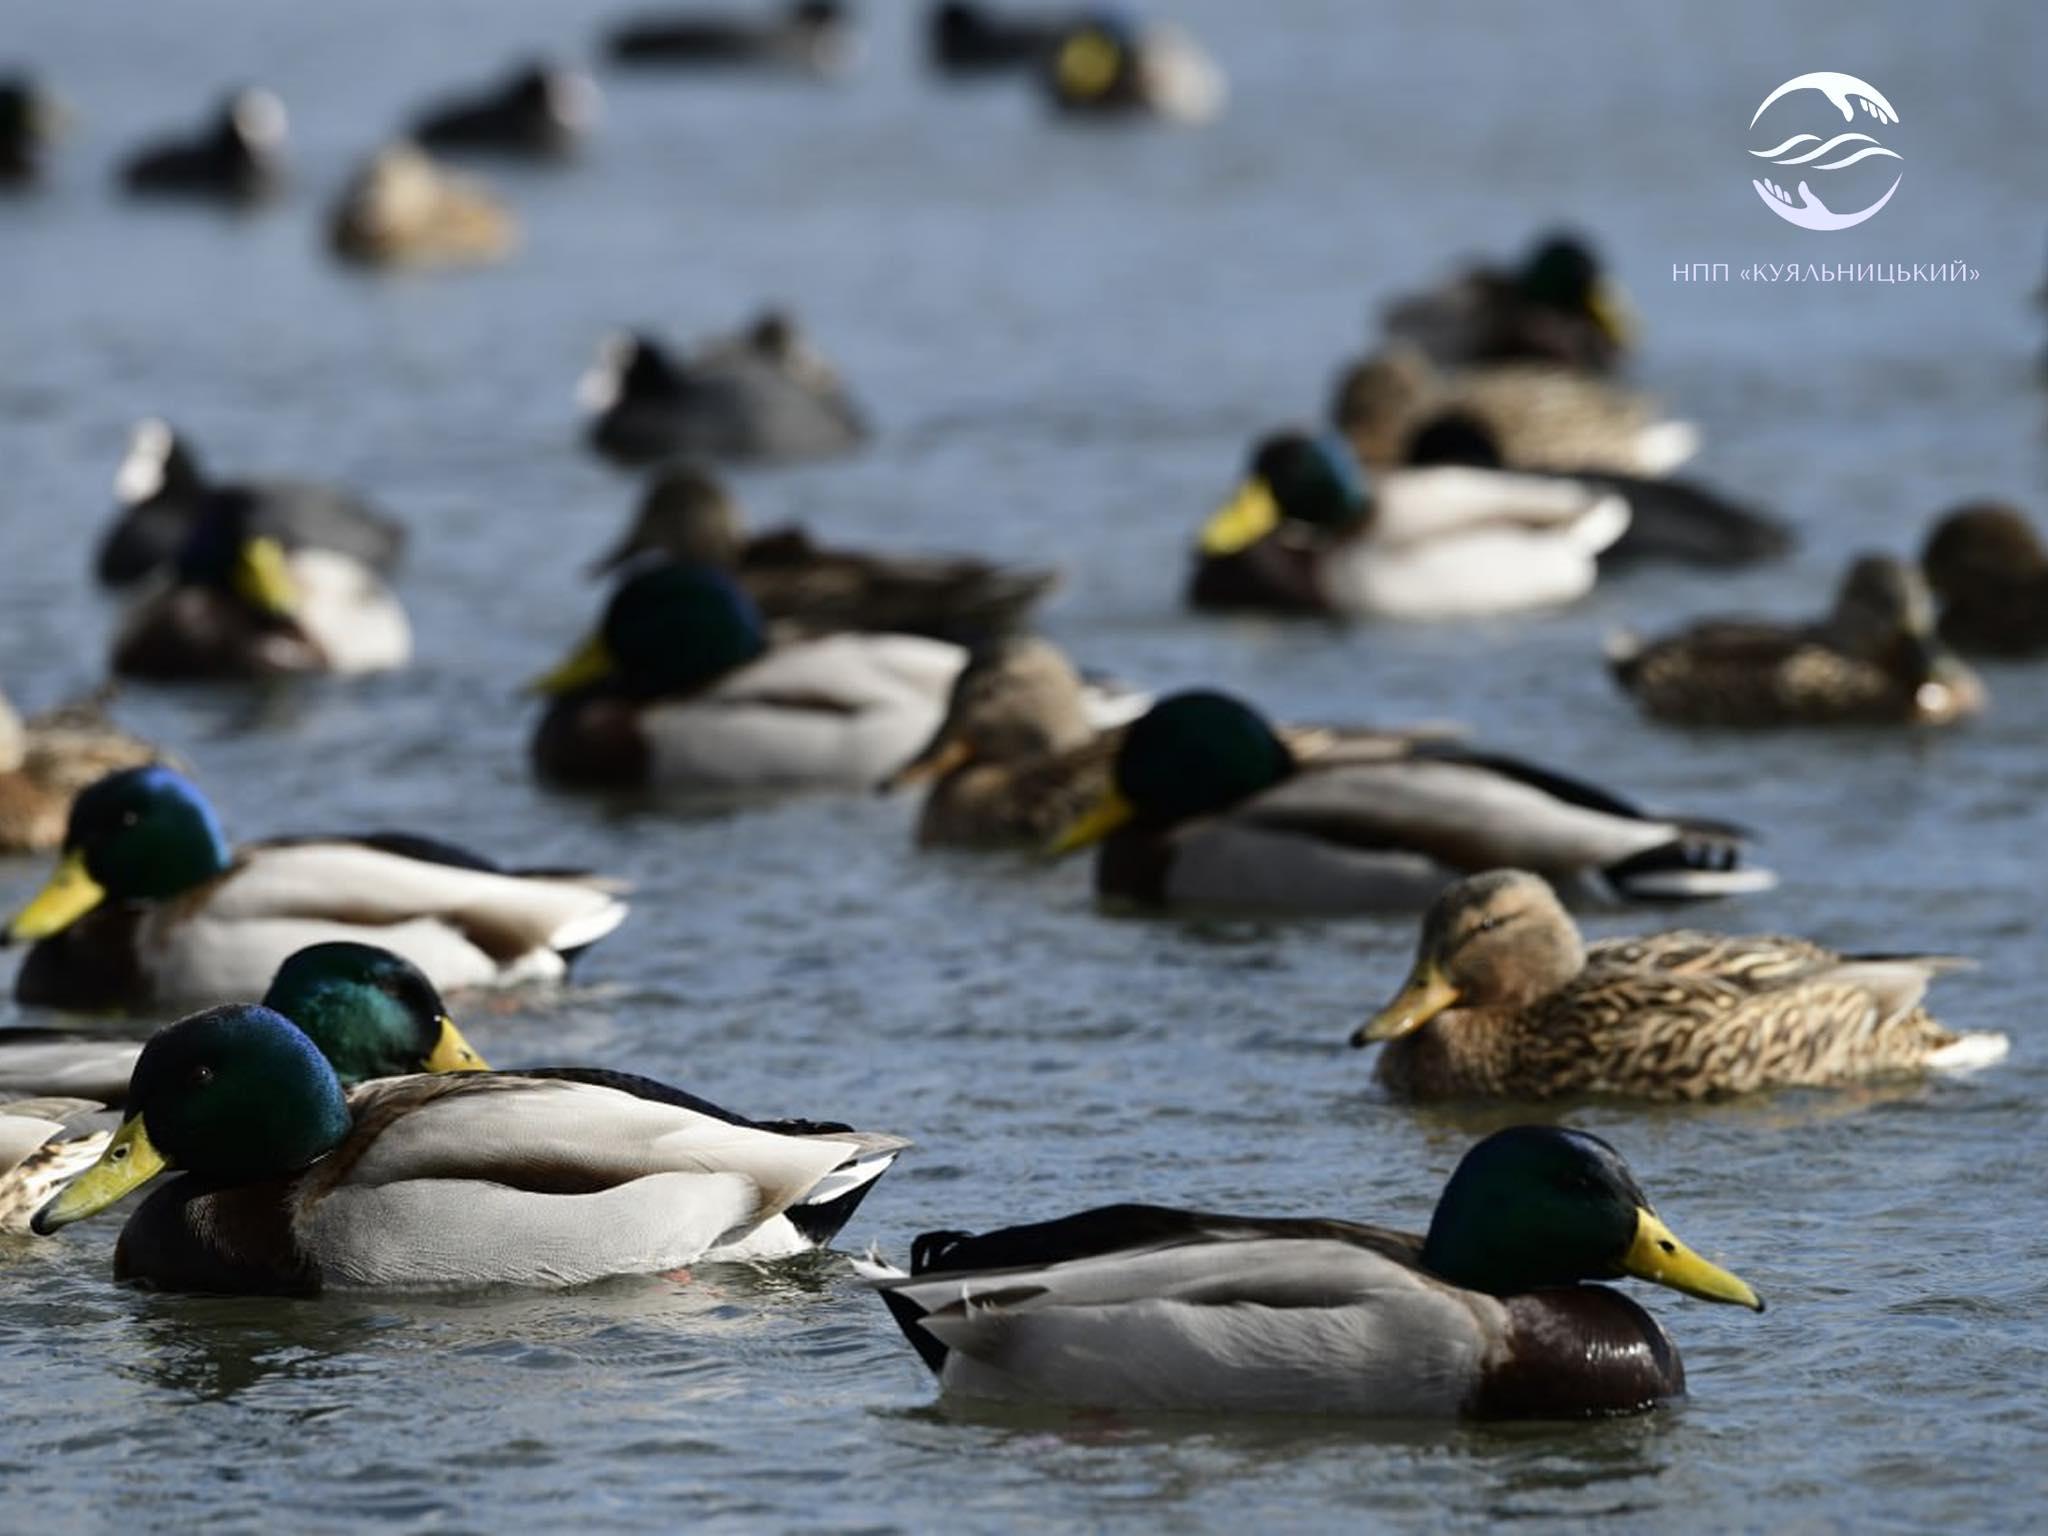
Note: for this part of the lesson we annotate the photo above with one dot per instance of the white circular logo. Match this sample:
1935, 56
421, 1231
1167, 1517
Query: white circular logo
1812, 152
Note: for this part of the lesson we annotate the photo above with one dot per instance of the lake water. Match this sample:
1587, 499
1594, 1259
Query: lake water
1067, 338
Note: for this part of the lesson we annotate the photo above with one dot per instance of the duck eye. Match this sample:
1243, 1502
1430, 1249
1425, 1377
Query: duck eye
200, 1076
118, 1154
130, 817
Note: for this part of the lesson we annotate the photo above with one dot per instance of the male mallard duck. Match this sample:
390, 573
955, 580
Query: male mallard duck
37, 1158
1300, 535
149, 905
811, 37
31, 119
240, 604
763, 396
962, 38
162, 491
1546, 417
1557, 307
1875, 660
238, 158
1210, 808
679, 689
1986, 564
543, 112
1487, 1316
1507, 1001
293, 1185
686, 514
1102, 66
401, 209
46, 761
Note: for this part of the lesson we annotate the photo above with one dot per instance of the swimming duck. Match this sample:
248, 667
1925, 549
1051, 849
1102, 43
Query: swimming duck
542, 112
1557, 307
149, 905
1506, 1000
1875, 660
238, 158
762, 396
1986, 565
962, 38
1301, 535
30, 121
679, 689
1486, 1316
1102, 67
686, 514
401, 209
1210, 808
47, 760
811, 37
238, 603
161, 489
292, 1185
38, 1157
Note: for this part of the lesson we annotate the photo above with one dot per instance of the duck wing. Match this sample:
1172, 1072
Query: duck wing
37, 1062
960, 600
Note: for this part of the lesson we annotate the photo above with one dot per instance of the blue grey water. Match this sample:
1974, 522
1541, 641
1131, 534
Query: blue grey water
1067, 338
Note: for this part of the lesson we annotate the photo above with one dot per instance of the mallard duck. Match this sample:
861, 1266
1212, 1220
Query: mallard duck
31, 119
149, 905
542, 112
686, 514
47, 760
811, 37
1102, 66
38, 1158
238, 603
1875, 660
1486, 1316
679, 689
292, 1185
401, 209
1669, 519
763, 396
1558, 306
1507, 1001
1210, 808
238, 158
1545, 417
968, 39
1300, 535
1986, 565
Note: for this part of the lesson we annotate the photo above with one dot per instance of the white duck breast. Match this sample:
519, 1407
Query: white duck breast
346, 609
836, 713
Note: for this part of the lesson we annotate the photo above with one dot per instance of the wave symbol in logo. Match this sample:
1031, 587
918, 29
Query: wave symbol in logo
1811, 152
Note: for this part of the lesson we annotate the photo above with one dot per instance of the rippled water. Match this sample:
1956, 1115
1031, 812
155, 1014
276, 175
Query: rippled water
1066, 337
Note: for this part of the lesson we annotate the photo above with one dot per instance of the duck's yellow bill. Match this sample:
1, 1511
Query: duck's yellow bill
128, 1163
930, 765
1658, 1256
1249, 515
263, 577
452, 1053
1087, 64
67, 896
1612, 312
591, 662
1094, 824
1426, 993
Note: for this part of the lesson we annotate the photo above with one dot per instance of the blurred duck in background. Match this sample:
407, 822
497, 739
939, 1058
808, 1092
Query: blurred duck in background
161, 489
47, 760
543, 112
237, 159
42, 1148
1557, 307
1874, 660
687, 515
763, 396
239, 603
813, 37
1985, 564
679, 689
31, 122
1302, 536
977, 41
401, 209
1104, 67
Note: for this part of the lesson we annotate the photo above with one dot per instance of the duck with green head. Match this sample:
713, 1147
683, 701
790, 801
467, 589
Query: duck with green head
680, 689
149, 905
1489, 1315
1557, 306
1210, 809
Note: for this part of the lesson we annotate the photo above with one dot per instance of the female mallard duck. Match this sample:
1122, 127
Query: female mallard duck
1102, 66
679, 689
1875, 660
688, 515
1210, 808
45, 761
238, 159
1507, 1001
1301, 536
1557, 307
813, 37
38, 1157
400, 209
292, 1185
543, 112
31, 121
1487, 1316
239, 604
1987, 567
149, 905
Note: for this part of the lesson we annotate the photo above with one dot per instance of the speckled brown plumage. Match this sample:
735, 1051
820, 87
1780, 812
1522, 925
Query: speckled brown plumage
47, 760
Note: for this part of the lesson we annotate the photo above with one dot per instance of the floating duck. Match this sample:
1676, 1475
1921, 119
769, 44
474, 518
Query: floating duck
401, 209
1986, 565
47, 760
1103, 67
1559, 306
237, 159
810, 37
543, 112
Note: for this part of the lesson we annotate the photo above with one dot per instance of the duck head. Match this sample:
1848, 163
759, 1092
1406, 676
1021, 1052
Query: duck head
372, 1013
1311, 482
669, 629
1015, 700
228, 551
631, 365
686, 514
1884, 614
253, 126
1983, 544
1563, 274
